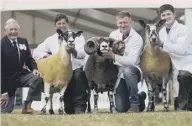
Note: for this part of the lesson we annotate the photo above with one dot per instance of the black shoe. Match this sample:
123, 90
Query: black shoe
142, 97
69, 110
80, 109
134, 109
189, 106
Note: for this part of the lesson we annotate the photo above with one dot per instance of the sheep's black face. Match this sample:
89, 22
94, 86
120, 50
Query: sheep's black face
69, 36
106, 44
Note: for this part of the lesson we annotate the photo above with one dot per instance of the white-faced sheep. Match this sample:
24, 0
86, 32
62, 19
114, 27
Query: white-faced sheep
155, 63
56, 70
101, 73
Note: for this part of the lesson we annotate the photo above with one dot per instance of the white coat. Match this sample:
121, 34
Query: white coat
178, 44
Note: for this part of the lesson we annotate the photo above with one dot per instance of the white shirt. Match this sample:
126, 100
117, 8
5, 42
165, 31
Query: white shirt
133, 50
51, 44
178, 43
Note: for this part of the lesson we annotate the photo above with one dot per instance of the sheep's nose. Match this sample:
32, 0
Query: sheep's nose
70, 41
104, 46
154, 39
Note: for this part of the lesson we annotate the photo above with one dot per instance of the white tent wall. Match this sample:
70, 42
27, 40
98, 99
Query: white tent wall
67, 4
35, 29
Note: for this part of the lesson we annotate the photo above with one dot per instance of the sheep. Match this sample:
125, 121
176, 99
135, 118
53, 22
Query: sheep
56, 70
155, 63
101, 73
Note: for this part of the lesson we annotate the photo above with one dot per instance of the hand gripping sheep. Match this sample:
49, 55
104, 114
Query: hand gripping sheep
155, 63
57, 70
100, 72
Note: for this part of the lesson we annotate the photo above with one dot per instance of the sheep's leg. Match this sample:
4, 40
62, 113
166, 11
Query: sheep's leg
165, 101
61, 99
89, 102
43, 110
51, 104
96, 96
151, 105
46, 93
111, 100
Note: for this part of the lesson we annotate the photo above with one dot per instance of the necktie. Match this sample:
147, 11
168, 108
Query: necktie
16, 49
167, 30
125, 36
15, 46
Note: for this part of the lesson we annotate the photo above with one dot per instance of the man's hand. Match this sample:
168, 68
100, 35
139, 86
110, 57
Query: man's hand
161, 44
109, 55
47, 55
4, 99
37, 73
71, 50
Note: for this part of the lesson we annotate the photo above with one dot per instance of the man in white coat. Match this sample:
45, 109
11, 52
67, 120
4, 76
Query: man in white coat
177, 42
127, 97
75, 95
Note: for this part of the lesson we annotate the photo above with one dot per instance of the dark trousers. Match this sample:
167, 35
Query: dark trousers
35, 84
75, 96
26, 79
185, 90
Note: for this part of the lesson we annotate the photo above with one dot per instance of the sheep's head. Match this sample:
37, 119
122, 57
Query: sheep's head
104, 44
152, 31
69, 36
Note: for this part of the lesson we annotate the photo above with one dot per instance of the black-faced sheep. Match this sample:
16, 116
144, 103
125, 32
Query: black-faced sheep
56, 70
100, 72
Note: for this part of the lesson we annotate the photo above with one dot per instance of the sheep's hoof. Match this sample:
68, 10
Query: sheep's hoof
151, 108
51, 111
89, 112
60, 111
112, 109
166, 109
43, 111
95, 110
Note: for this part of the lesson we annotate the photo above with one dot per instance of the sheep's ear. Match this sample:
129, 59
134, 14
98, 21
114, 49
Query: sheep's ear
65, 36
160, 23
59, 32
79, 33
142, 23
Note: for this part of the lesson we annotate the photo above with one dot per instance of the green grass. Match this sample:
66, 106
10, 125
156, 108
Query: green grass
102, 118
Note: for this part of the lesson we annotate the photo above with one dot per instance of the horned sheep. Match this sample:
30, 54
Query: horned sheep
101, 73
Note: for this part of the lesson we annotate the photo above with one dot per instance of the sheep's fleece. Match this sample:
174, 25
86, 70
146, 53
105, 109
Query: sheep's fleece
100, 71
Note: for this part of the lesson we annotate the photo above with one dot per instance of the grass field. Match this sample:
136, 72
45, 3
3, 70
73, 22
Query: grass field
102, 118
